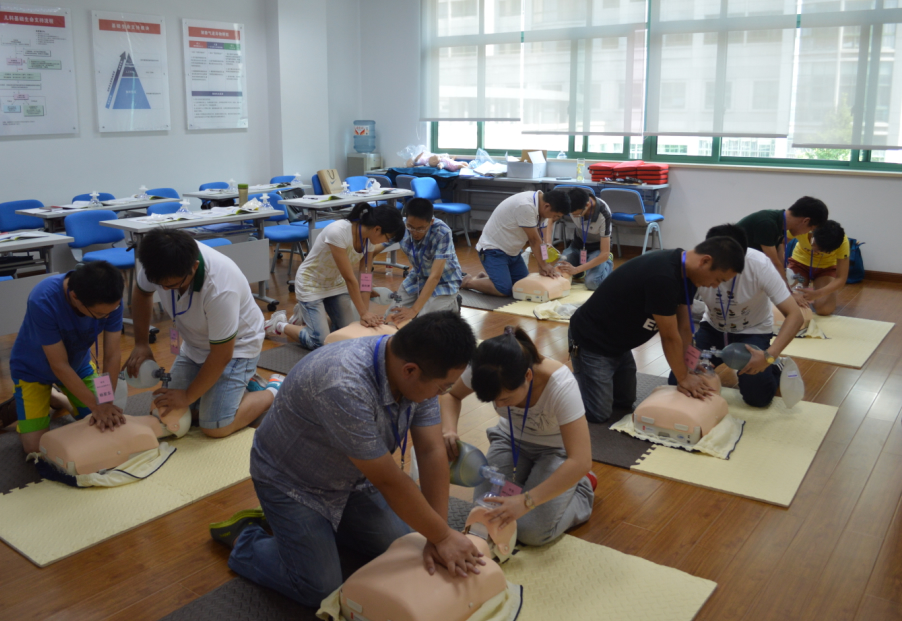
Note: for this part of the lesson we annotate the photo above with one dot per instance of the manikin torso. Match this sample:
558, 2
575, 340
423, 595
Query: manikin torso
538, 288
668, 413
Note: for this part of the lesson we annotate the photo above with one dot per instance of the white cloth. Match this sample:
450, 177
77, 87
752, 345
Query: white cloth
318, 276
223, 309
559, 404
505, 229
750, 310
555, 310
719, 442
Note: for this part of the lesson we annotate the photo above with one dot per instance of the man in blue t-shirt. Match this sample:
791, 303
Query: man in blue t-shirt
65, 316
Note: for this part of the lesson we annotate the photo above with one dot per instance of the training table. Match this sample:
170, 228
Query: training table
36, 241
53, 216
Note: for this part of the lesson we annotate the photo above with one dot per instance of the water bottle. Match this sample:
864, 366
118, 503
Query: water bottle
265, 203
561, 155
297, 179
372, 185
94, 201
142, 193
580, 168
233, 185
364, 136
792, 387
184, 206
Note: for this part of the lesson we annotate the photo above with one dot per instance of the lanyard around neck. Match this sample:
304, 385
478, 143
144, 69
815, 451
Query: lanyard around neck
401, 441
584, 225
364, 246
725, 312
540, 222
688, 301
515, 446
190, 300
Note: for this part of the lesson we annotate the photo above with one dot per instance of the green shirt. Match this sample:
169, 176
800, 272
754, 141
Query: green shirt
763, 228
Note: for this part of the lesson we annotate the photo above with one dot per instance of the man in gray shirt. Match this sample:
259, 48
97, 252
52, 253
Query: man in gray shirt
323, 468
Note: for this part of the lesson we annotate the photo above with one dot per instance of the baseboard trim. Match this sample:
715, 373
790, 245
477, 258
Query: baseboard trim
883, 276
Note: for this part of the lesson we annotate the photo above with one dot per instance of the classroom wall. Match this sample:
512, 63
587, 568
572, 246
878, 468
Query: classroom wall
52, 169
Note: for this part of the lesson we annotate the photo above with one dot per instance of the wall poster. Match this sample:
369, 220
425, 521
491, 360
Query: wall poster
215, 74
37, 71
130, 72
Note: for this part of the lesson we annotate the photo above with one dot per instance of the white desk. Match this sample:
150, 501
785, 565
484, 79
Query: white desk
53, 218
36, 241
226, 194
137, 228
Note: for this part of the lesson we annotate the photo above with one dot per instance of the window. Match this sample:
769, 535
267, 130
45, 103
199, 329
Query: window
680, 149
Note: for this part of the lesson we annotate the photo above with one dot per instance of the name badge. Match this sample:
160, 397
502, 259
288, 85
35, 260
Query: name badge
509, 489
175, 342
543, 250
692, 357
583, 257
103, 388
366, 282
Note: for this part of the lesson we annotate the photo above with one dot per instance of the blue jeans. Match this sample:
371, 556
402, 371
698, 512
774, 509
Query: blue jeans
218, 406
503, 269
757, 390
594, 275
316, 314
300, 559
604, 382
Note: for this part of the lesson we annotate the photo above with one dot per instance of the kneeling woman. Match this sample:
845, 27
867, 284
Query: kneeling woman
541, 441
326, 287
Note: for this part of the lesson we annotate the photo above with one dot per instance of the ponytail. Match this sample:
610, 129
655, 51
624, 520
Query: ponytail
385, 217
501, 363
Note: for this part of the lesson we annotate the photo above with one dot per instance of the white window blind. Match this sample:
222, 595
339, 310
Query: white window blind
584, 67
849, 92
720, 67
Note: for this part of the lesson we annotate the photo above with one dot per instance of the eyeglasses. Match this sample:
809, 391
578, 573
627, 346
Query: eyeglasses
104, 316
421, 229
181, 283
444, 390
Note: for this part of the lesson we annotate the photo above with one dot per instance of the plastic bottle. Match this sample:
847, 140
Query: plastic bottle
580, 169
94, 201
265, 201
297, 179
562, 155
364, 136
142, 193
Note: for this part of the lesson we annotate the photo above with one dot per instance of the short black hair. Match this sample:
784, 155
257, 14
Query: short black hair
167, 253
501, 363
420, 208
388, 219
725, 253
579, 198
730, 230
435, 342
829, 236
97, 282
559, 201
812, 208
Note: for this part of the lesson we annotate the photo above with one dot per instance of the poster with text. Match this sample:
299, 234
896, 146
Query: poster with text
215, 74
37, 72
130, 72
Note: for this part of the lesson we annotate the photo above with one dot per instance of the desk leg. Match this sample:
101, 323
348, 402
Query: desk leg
271, 303
47, 257
393, 255
152, 330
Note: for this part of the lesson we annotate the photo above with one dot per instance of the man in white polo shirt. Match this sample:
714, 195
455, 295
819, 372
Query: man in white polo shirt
218, 323
518, 220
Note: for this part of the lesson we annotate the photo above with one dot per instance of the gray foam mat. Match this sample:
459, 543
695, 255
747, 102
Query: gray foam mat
15, 472
481, 301
619, 449
242, 600
283, 358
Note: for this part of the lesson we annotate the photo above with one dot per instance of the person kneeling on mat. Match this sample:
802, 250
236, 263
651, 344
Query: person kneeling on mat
541, 441
739, 311
65, 316
589, 252
218, 323
820, 262
323, 467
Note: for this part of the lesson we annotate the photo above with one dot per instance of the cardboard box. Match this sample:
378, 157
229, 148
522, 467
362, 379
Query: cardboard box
526, 170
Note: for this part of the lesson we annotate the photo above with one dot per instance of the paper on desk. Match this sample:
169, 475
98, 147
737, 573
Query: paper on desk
264, 186
15, 236
122, 201
170, 217
320, 198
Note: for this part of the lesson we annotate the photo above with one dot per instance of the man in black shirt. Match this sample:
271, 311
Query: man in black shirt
645, 295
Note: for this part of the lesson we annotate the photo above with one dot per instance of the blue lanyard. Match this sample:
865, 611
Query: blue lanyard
539, 222
395, 427
725, 312
364, 246
585, 227
688, 301
515, 446
190, 300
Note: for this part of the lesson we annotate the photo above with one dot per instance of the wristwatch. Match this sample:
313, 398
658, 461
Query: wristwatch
528, 501
769, 357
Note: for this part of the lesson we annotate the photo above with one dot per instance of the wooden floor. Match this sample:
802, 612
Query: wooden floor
835, 554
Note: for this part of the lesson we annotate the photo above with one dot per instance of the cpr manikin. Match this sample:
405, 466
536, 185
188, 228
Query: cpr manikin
538, 288
396, 586
807, 314
357, 330
81, 448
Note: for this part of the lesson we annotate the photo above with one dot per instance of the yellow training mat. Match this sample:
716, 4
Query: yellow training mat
770, 460
578, 295
48, 521
850, 341
576, 580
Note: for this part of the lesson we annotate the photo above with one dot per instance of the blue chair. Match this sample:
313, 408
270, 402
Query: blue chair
4, 278
101, 196
286, 234
384, 180
215, 242
11, 221
356, 183
86, 230
213, 185
166, 192
282, 179
317, 186
163, 208
426, 187
628, 211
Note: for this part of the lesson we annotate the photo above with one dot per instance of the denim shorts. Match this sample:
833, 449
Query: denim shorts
503, 269
217, 407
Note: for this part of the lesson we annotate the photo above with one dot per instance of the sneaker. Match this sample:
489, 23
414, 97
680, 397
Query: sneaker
275, 319
227, 532
275, 381
592, 479
8, 413
295, 318
256, 384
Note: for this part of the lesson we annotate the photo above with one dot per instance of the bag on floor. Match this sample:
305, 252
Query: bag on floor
856, 262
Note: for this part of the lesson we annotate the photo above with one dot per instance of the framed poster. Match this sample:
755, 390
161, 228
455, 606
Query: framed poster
130, 72
37, 71
215, 74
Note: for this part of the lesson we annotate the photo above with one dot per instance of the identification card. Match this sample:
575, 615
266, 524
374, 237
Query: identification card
103, 388
543, 250
509, 489
175, 342
692, 357
583, 257
366, 282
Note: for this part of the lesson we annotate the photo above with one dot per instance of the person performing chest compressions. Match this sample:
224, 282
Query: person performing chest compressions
589, 253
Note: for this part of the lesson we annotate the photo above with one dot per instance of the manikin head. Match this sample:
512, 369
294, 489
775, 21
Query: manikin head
714, 261
503, 368
554, 205
420, 216
827, 237
582, 203
379, 225
95, 289
805, 215
429, 354
170, 258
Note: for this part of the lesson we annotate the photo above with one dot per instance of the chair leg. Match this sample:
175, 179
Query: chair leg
291, 259
617, 240
660, 238
131, 284
465, 218
275, 255
648, 229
